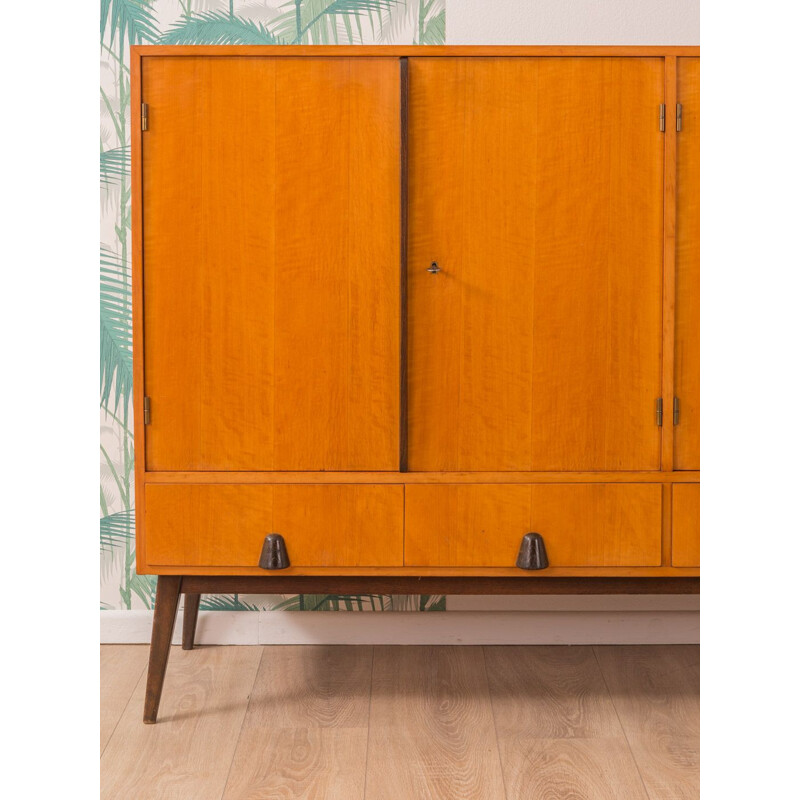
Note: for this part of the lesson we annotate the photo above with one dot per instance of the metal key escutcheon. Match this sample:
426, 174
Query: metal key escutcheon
434, 268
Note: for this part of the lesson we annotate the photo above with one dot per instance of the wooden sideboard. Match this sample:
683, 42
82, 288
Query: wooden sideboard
399, 307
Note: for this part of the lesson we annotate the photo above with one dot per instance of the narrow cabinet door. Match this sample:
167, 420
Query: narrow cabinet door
536, 187
271, 252
687, 268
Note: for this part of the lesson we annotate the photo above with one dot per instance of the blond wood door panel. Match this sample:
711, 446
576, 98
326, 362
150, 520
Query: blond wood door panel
587, 525
471, 150
216, 525
208, 261
687, 268
337, 243
686, 525
536, 185
271, 263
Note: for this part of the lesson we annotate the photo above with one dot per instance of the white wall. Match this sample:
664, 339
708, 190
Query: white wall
657, 22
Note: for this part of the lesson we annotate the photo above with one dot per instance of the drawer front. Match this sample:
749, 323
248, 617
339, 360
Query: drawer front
686, 525
224, 525
583, 525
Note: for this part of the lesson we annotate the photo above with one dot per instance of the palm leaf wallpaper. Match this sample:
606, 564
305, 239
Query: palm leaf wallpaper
127, 22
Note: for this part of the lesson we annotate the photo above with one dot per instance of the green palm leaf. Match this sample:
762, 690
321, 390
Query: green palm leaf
216, 27
143, 586
116, 336
133, 19
432, 28
428, 19
325, 21
432, 602
330, 602
224, 602
114, 164
116, 529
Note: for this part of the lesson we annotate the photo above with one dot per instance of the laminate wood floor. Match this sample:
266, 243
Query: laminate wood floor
404, 723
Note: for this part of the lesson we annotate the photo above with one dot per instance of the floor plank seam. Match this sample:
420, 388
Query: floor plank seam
619, 720
494, 725
369, 722
124, 709
241, 727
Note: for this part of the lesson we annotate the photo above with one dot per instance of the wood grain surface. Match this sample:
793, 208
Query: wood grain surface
577, 722
599, 525
431, 729
549, 693
425, 477
225, 525
305, 733
209, 249
337, 242
578, 769
655, 690
484, 723
372, 577
687, 277
558, 731
686, 525
582, 525
281, 351
121, 667
189, 752
538, 346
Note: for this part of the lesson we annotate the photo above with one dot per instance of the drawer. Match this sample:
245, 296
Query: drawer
686, 525
224, 525
583, 525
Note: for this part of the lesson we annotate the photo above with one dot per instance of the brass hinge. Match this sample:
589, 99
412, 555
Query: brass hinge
144, 116
676, 411
660, 411
678, 117
662, 118
147, 411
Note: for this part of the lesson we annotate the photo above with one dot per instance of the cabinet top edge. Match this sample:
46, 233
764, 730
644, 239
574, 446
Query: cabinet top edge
397, 51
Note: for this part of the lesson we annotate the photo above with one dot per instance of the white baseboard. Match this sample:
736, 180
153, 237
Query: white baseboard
413, 627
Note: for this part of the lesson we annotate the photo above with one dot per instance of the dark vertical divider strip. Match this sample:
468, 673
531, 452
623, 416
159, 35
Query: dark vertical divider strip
403, 264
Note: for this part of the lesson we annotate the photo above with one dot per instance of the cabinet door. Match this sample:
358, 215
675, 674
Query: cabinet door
536, 184
272, 263
687, 268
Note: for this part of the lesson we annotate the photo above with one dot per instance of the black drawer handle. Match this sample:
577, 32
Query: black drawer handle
274, 554
532, 552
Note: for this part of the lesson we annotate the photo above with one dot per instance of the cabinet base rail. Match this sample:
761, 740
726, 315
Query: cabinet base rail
170, 588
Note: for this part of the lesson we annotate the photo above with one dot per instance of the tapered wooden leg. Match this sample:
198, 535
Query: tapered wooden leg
191, 605
168, 592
